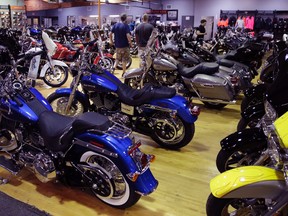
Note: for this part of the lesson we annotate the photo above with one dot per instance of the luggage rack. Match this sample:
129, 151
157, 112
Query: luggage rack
116, 130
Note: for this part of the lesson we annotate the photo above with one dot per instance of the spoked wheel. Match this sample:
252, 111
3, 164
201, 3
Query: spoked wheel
128, 64
172, 133
240, 207
59, 103
227, 160
60, 77
107, 182
106, 63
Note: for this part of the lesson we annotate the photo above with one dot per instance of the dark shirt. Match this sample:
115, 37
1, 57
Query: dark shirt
201, 29
143, 31
120, 31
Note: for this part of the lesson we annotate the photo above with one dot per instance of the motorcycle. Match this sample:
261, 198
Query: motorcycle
53, 72
204, 81
255, 190
248, 146
89, 151
254, 102
154, 111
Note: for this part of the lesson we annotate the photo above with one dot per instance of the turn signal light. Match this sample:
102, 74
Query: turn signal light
195, 110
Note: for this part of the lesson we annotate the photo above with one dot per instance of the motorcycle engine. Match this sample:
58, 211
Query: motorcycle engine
166, 77
40, 163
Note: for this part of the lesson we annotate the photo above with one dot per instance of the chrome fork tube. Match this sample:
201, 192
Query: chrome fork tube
71, 97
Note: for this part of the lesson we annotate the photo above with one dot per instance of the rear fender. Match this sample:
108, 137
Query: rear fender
248, 182
178, 103
116, 150
251, 138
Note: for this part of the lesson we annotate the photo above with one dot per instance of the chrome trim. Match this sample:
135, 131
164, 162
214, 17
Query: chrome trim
215, 100
159, 108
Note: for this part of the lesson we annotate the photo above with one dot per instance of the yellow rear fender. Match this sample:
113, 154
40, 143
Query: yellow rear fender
248, 182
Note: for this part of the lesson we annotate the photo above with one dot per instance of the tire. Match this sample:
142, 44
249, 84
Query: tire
164, 127
114, 188
223, 207
120, 67
227, 160
59, 102
58, 80
214, 105
106, 63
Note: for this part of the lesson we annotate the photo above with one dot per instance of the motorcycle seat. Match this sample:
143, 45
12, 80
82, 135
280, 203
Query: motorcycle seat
57, 130
207, 68
230, 55
226, 63
136, 97
70, 47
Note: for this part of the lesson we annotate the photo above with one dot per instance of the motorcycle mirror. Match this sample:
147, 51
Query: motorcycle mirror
49, 43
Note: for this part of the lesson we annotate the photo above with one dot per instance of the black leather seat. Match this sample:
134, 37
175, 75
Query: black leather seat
91, 120
136, 97
207, 68
226, 63
53, 126
230, 55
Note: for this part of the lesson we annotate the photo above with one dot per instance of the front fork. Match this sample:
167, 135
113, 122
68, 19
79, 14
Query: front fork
71, 97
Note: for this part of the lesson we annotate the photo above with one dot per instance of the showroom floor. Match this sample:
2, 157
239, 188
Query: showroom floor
183, 175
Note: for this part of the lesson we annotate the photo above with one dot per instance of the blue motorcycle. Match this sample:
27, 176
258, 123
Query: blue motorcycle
88, 151
153, 110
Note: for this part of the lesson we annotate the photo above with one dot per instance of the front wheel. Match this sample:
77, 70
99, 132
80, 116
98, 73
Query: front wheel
107, 182
59, 103
57, 79
235, 206
172, 133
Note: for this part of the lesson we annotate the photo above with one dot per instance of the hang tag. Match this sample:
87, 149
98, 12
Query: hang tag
127, 109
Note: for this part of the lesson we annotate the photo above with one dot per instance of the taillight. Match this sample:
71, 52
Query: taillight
234, 80
195, 110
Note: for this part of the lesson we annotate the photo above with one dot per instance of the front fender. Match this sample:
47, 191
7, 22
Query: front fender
256, 91
135, 72
250, 138
254, 111
67, 91
178, 103
248, 182
145, 183
54, 62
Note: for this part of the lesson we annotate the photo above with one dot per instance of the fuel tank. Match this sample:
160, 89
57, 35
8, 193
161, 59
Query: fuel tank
161, 64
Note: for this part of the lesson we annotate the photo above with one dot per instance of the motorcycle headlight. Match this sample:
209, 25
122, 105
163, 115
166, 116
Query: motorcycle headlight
74, 69
270, 111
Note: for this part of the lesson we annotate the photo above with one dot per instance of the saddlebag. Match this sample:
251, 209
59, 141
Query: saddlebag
212, 87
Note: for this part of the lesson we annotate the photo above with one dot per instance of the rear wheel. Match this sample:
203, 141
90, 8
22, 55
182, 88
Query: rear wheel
57, 79
172, 133
214, 105
59, 103
106, 63
107, 181
235, 206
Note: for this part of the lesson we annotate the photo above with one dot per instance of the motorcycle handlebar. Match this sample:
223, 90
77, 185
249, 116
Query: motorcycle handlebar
28, 56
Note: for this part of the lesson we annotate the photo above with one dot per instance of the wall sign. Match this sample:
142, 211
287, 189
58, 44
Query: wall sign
172, 15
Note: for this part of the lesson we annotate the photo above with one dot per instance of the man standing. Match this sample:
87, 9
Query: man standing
122, 39
142, 33
201, 31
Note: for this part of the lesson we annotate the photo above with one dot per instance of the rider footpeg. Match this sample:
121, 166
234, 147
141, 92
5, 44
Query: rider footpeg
9, 165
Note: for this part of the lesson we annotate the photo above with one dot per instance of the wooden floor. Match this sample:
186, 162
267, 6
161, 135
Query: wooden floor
183, 175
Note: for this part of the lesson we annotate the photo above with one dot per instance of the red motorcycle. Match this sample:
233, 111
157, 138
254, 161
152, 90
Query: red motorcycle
68, 52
